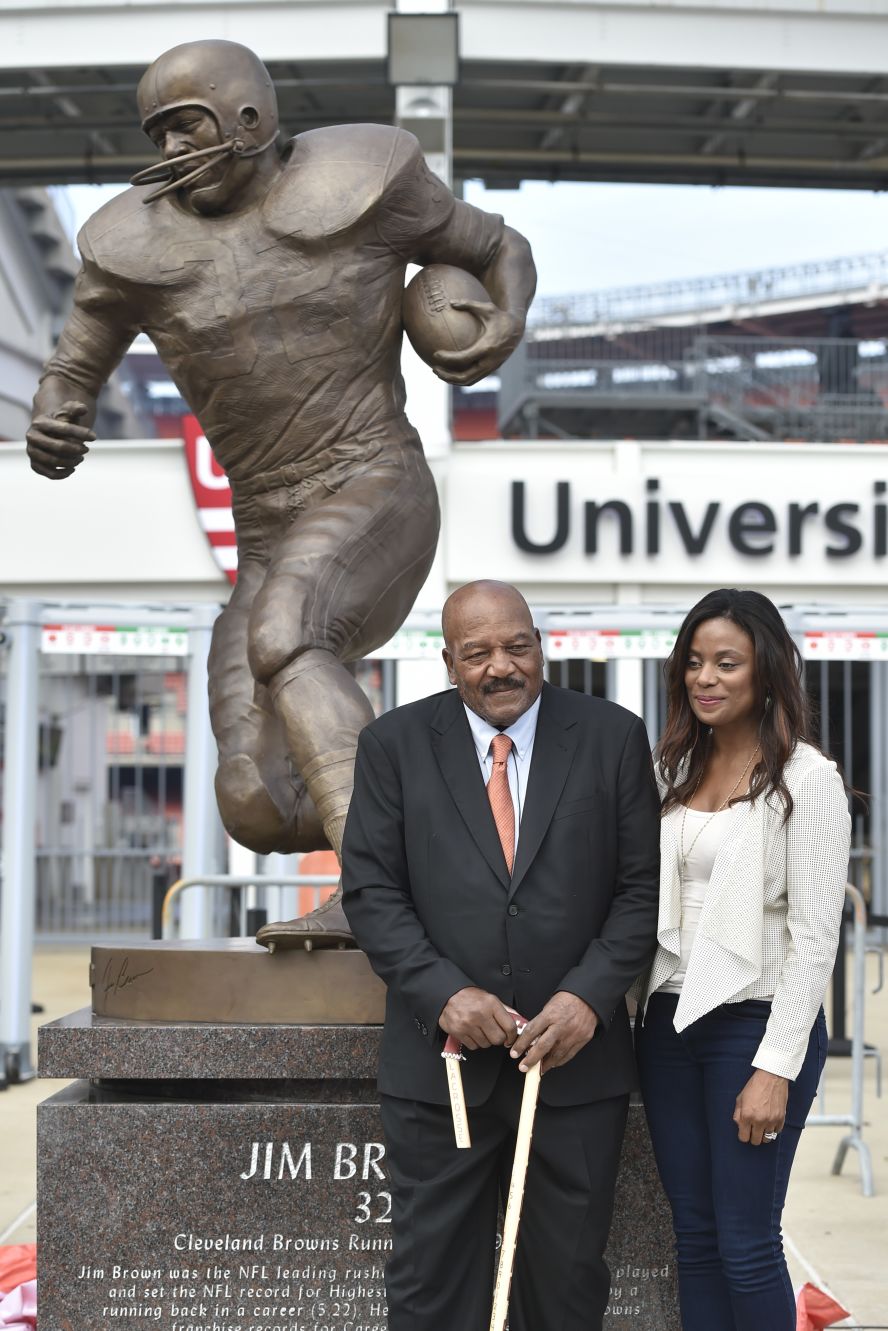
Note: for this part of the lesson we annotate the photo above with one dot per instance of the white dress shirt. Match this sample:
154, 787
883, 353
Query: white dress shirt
521, 733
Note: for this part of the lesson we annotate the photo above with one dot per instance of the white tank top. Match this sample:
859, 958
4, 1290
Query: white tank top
705, 839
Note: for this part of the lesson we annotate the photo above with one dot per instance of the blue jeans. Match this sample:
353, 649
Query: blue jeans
726, 1195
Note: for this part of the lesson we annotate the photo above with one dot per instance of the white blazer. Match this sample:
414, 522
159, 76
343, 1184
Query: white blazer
771, 915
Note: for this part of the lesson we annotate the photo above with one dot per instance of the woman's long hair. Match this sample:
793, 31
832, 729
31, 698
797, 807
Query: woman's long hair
780, 698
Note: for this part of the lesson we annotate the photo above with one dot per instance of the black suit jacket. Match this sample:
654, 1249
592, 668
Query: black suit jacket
429, 897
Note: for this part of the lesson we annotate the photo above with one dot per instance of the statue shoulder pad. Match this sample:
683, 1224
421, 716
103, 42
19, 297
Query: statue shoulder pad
124, 237
333, 177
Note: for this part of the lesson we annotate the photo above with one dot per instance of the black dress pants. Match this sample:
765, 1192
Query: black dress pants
440, 1272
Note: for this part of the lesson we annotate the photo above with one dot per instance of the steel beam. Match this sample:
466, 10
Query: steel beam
20, 749
201, 852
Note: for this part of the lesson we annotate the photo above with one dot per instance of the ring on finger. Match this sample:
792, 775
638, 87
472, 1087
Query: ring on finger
769, 1136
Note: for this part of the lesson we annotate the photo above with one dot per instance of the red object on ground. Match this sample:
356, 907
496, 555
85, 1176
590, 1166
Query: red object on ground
18, 1263
816, 1310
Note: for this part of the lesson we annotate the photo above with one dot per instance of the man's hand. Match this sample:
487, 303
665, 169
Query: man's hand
477, 1019
56, 443
761, 1106
552, 1038
499, 338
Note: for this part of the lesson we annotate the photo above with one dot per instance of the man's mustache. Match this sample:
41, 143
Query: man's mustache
502, 685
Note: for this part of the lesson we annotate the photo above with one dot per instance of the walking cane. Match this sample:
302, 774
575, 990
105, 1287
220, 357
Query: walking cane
453, 1056
529, 1098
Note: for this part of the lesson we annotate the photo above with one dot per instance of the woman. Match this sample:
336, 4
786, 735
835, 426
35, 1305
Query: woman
730, 1035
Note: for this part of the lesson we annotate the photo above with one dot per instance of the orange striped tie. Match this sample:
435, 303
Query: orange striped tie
500, 797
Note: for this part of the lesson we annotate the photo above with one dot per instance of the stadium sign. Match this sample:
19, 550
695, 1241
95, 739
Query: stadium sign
755, 527
554, 515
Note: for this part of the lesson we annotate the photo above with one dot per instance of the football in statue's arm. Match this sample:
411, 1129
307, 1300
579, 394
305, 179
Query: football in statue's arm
430, 320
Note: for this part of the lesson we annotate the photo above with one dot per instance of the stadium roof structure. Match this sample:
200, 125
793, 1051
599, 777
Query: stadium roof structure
793, 300
718, 92
511, 122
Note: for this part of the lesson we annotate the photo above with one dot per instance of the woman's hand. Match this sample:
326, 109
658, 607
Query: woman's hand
761, 1106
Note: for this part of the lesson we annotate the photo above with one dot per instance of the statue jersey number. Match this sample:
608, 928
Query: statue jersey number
280, 325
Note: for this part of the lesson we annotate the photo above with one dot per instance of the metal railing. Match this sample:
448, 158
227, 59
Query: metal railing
63, 758
853, 1140
106, 892
233, 882
818, 389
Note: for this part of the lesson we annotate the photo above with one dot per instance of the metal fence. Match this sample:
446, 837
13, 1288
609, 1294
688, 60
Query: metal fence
110, 782
109, 790
819, 389
102, 707
853, 1119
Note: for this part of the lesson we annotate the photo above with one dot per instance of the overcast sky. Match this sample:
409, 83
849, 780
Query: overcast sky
590, 237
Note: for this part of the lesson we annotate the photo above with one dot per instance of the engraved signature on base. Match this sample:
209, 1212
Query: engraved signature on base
112, 983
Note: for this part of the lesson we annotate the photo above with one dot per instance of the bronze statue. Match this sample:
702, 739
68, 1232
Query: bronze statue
270, 282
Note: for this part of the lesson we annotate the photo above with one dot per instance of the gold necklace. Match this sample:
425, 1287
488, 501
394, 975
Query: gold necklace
684, 855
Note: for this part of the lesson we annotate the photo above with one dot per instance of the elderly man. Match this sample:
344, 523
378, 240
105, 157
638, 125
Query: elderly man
271, 281
538, 893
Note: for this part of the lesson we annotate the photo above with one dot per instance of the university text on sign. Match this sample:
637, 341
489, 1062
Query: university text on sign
755, 528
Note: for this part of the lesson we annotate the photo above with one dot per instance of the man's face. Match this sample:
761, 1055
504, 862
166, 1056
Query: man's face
190, 129
494, 655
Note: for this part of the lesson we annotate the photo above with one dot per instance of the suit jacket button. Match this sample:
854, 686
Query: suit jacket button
506, 970
513, 910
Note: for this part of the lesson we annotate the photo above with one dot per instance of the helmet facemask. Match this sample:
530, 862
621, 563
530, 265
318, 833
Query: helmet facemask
223, 79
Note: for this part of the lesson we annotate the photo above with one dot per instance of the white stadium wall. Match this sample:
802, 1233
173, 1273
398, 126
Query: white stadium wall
639, 523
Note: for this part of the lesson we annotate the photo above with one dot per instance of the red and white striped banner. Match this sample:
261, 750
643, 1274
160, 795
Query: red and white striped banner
212, 495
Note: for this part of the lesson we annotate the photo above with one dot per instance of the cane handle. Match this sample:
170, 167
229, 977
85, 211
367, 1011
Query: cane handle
452, 1055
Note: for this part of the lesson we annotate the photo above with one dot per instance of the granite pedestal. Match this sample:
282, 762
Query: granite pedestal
231, 1177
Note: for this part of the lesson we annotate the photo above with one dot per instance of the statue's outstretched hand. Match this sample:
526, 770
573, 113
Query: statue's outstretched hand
56, 443
499, 338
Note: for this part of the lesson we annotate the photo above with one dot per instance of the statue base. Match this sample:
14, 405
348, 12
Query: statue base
226, 1176
234, 979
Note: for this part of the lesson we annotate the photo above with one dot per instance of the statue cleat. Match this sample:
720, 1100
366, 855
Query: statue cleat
325, 927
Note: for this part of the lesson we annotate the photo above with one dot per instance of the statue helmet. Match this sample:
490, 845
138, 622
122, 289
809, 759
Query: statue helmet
224, 78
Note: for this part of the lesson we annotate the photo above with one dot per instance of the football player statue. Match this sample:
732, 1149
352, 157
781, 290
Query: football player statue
270, 282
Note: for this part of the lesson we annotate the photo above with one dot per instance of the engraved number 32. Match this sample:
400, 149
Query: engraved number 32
365, 1209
